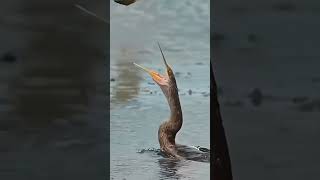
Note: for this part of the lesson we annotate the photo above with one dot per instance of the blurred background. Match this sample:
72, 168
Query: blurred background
266, 61
53, 114
138, 106
53, 90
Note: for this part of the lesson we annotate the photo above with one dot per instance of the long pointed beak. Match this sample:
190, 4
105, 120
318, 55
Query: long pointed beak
143, 68
161, 80
155, 76
164, 59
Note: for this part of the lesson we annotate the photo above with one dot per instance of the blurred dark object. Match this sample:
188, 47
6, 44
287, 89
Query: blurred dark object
220, 91
297, 100
256, 97
218, 36
177, 74
236, 103
125, 2
310, 106
315, 79
284, 6
252, 37
221, 158
8, 57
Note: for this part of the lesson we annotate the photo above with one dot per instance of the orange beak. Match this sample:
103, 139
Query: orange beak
155, 76
161, 80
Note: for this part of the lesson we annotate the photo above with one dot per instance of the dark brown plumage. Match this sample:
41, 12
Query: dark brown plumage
168, 129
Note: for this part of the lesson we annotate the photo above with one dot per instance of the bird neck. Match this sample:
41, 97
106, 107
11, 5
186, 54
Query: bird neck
176, 112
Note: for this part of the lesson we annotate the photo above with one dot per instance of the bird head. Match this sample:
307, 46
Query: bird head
165, 81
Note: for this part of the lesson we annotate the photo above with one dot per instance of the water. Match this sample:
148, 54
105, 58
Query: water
138, 106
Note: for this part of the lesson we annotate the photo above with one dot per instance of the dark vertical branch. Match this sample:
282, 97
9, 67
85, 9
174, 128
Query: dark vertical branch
221, 158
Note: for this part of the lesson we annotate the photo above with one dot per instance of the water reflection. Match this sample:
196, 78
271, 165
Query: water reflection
49, 77
52, 93
127, 80
55, 70
169, 168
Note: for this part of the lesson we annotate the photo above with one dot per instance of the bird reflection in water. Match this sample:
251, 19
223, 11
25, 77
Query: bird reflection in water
169, 168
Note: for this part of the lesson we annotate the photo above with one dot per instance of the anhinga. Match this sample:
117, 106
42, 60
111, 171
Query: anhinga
168, 129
